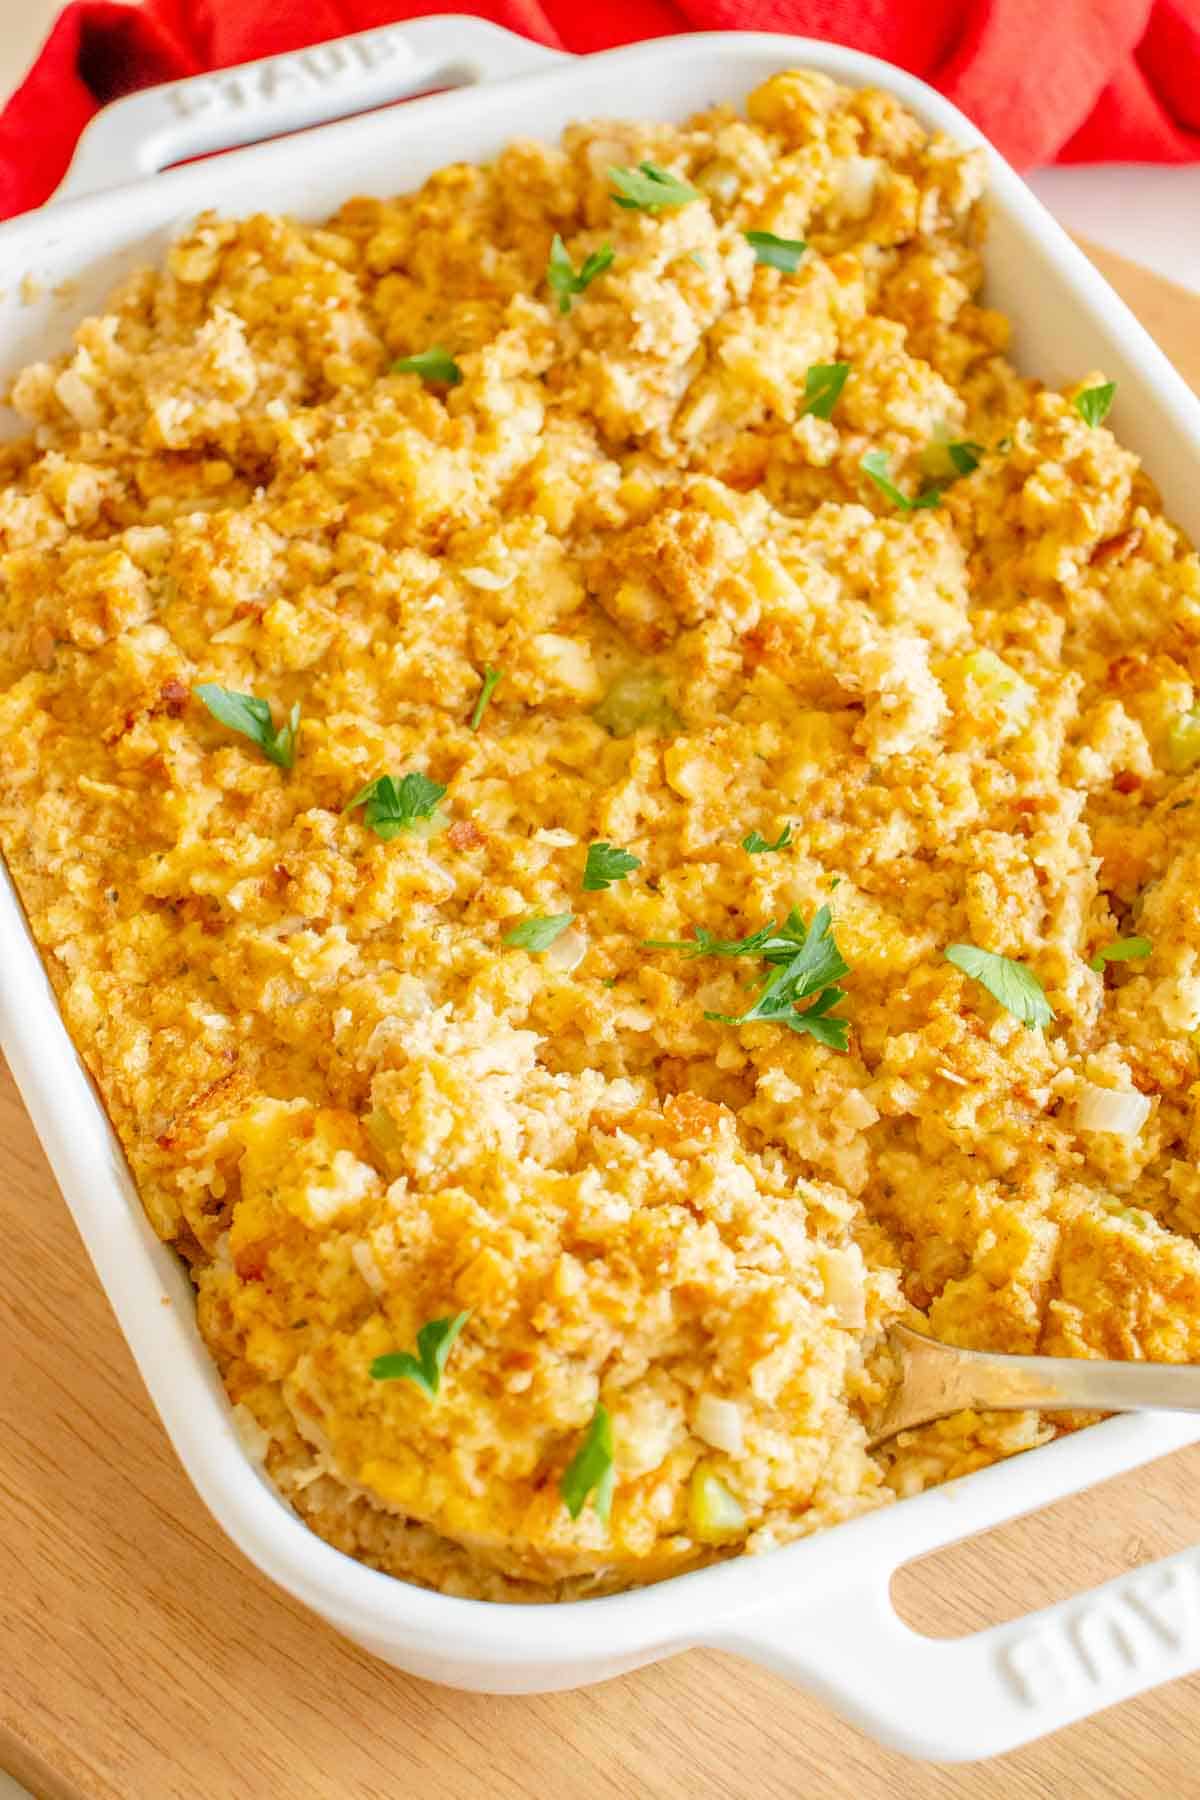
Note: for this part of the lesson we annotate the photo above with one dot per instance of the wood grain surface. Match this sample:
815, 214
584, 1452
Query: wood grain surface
142, 1659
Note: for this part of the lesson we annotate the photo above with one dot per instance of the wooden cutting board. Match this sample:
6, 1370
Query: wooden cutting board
142, 1659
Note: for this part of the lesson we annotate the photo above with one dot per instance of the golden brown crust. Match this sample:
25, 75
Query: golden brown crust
351, 1105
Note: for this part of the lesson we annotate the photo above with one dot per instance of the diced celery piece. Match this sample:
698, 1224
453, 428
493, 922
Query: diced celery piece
636, 698
946, 458
1183, 741
713, 1513
997, 684
431, 827
936, 461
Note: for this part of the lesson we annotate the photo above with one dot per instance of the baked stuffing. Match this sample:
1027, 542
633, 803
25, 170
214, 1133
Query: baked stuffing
458, 661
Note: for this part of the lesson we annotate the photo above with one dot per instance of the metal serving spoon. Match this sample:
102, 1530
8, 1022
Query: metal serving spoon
935, 1379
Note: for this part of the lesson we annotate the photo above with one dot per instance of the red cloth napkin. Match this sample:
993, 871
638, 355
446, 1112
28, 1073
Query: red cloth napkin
1072, 80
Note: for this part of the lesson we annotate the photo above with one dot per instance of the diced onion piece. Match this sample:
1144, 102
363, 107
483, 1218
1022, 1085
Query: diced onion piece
251, 1436
1183, 741
713, 1513
719, 1423
492, 580
855, 180
384, 1135
720, 181
364, 1261
567, 951
79, 398
843, 1273
1119, 1110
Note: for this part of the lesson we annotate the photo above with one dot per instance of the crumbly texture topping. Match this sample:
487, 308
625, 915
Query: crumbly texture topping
349, 1101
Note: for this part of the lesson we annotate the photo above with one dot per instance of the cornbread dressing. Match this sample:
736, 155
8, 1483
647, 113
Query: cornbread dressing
348, 1101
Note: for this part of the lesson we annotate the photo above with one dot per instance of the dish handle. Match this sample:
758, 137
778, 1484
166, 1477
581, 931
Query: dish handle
147, 131
959, 1699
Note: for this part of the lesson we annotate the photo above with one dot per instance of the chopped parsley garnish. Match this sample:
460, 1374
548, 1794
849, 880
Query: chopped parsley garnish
964, 455
1016, 988
755, 843
647, 188
392, 804
538, 931
706, 943
562, 277
434, 1344
434, 364
1130, 949
252, 717
591, 1470
491, 681
808, 962
944, 460
823, 385
606, 864
875, 464
776, 252
1093, 404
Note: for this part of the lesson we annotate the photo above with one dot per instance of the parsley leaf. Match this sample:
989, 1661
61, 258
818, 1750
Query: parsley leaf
945, 459
252, 717
1130, 949
875, 464
809, 962
823, 385
394, 804
591, 1470
776, 252
538, 931
491, 681
704, 943
773, 943
434, 364
647, 188
606, 864
434, 1344
561, 275
1016, 988
755, 843
964, 455
832, 1032
1093, 404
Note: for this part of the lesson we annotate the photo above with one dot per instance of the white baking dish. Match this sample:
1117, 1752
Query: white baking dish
818, 1611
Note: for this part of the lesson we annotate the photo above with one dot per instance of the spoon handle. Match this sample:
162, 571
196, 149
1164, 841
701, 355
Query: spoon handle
937, 1379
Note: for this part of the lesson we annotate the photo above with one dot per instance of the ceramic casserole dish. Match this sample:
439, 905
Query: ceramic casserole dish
819, 1611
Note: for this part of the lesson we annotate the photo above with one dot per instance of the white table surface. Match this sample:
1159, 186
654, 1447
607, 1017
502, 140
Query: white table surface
1147, 213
